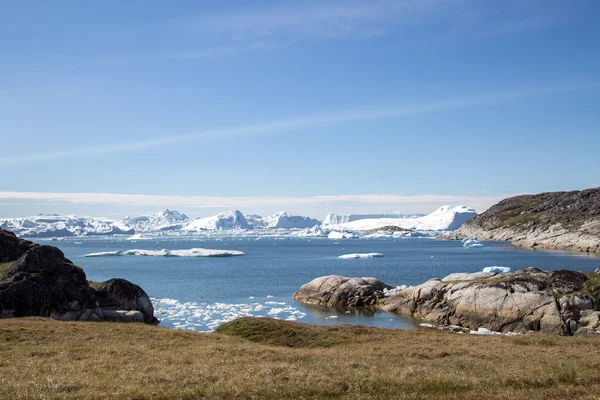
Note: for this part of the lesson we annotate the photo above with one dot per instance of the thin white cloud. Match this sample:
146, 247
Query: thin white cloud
352, 18
331, 202
295, 124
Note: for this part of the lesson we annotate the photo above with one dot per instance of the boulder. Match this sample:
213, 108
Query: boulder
40, 281
339, 291
119, 294
12, 247
44, 283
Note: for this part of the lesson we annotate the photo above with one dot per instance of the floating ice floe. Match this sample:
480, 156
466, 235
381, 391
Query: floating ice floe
472, 242
206, 317
342, 235
138, 236
360, 255
196, 252
496, 269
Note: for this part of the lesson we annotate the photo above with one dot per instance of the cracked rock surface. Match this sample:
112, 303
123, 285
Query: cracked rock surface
527, 300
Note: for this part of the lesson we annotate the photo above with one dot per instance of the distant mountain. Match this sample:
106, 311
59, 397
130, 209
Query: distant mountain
163, 221
554, 220
62, 225
446, 218
227, 220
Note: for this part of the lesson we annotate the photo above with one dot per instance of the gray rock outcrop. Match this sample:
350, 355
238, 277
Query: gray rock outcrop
556, 220
527, 300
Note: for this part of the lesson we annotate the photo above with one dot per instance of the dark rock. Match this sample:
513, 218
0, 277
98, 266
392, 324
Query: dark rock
119, 294
44, 283
565, 281
12, 247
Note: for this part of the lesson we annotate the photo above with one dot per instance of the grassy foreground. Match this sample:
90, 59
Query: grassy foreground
263, 358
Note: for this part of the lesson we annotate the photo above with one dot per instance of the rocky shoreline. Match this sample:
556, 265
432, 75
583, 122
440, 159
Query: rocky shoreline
556, 220
39, 281
529, 300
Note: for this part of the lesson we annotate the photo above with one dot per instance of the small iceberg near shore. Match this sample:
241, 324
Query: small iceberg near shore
138, 236
496, 269
472, 242
360, 255
195, 252
342, 235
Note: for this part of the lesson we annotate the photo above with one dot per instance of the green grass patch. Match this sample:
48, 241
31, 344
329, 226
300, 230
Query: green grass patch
280, 333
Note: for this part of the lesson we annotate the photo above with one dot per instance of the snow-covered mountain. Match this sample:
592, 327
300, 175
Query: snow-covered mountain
163, 221
337, 219
61, 226
446, 218
227, 220
283, 220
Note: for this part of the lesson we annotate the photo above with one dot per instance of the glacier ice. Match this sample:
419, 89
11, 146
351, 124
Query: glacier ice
360, 255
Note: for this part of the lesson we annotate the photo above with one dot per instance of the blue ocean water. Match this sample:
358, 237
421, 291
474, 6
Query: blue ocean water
200, 293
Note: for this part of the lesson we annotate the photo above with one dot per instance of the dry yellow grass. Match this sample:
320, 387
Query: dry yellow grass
277, 360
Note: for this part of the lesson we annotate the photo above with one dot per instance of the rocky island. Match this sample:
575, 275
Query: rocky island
555, 220
39, 281
559, 302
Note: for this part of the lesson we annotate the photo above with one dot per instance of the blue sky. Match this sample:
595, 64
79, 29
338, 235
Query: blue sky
113, 108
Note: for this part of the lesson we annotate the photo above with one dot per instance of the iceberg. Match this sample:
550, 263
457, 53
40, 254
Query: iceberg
472, 242
195, 252
56, 225
496, 269
138, 236
224, 221
445, 218
283, 220
315, 231
166, 220
360, 255
342, 235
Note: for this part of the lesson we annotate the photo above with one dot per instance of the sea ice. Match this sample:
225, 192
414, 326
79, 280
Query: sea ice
195, 252
360, 255
342, 235
472, 242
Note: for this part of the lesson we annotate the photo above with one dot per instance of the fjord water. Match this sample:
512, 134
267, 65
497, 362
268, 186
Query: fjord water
202, 292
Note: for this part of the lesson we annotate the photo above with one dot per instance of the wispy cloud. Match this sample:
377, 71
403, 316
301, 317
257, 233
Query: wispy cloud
286, 126
407, 202
357, 18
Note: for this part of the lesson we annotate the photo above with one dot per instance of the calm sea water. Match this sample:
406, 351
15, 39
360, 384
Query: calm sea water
200, 293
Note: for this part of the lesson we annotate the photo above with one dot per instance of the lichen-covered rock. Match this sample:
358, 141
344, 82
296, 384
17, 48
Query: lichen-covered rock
520, 301
555, 220
339, 291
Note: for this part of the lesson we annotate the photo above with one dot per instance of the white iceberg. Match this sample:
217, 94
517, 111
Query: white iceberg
227, 220
472, 242
195, 252
360, 255
446, 218
342, 235
496, 269
138, 236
